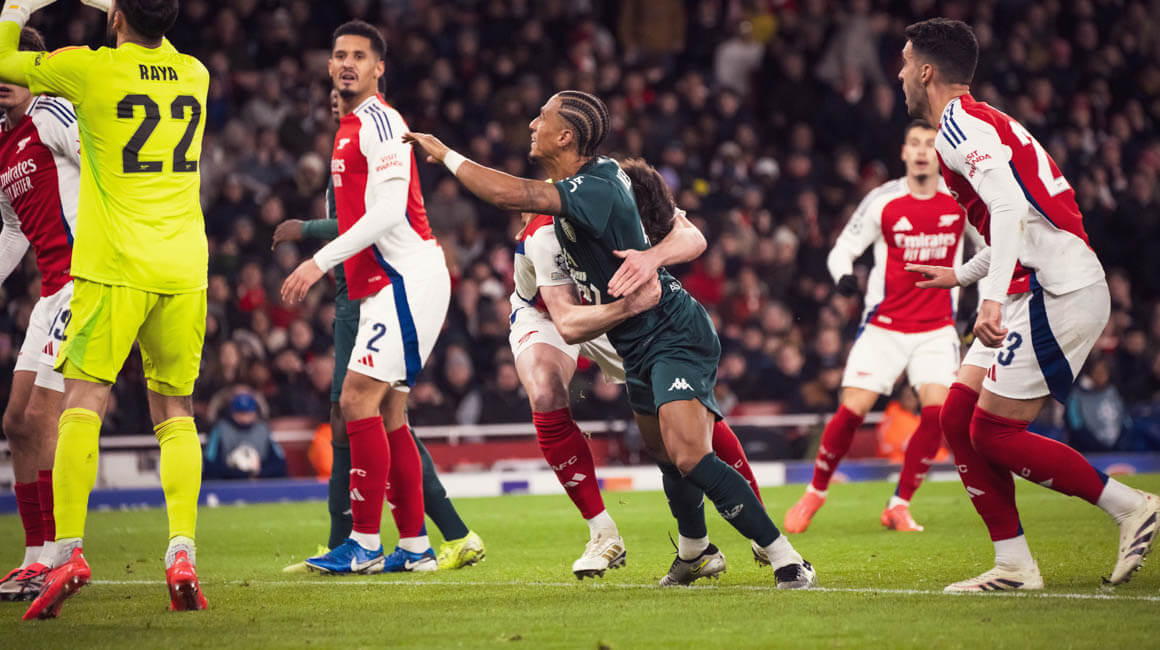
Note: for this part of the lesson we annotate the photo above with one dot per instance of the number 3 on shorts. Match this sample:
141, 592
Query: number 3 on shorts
1007, 355
379, 330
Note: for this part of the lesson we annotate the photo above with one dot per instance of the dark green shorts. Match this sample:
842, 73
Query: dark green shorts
678, 362
345, 330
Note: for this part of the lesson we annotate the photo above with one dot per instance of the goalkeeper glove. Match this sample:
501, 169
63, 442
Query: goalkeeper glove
18, 11
103, 5
847, 285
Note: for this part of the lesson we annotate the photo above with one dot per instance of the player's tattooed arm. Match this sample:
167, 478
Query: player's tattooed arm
497, 188
578, 323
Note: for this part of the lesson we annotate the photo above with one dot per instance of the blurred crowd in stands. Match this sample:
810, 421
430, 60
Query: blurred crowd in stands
770, 119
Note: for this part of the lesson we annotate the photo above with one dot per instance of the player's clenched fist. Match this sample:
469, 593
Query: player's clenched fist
989, 324
295, 287
430, 145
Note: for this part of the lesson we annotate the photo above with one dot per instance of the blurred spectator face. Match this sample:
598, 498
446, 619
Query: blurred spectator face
244, 410
1100, 374
354, 67
229, 356
273, 212
776, 319
918, 152
790, 360
828, 344
219, 289
458, 370
506, 378
301, 336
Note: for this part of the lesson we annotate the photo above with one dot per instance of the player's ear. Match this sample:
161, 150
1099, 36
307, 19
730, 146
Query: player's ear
925, 73
380, 68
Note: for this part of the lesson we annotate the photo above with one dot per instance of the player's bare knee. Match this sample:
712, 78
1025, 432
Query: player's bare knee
15, 428
547, 396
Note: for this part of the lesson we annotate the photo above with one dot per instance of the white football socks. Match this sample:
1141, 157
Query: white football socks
1119, 500
1014, 553
896, 501
688, 548
48, 555
31, 554
177, 544
821, 493
601, 522
369, 541
781, 553
414, 544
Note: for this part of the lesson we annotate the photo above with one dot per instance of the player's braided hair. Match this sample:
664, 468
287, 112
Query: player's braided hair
949, 44
588, 117
149, 18
31, 40
654, 201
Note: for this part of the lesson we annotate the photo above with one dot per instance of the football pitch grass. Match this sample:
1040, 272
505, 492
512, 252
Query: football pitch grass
878, 587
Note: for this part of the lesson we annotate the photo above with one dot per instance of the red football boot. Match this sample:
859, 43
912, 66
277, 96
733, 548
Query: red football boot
184, 590
62, 582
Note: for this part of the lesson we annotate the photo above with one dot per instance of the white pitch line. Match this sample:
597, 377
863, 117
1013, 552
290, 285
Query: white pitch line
620, 585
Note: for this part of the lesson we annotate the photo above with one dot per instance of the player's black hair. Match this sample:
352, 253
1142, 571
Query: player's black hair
366, 30
917, 124
654, 201
31, 40
948, 44
149, 18
588, 117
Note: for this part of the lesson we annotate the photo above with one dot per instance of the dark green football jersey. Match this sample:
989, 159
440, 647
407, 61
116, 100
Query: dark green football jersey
599, 216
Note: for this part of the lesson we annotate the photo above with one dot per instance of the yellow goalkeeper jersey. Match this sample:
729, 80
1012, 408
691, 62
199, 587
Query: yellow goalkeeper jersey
140, 112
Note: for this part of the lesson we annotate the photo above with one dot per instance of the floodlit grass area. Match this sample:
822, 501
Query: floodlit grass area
879, 587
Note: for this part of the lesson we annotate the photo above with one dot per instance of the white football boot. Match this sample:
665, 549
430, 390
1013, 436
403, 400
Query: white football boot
604, 551
1001, 578
1137, 535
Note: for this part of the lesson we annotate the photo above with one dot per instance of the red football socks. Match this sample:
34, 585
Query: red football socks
405, 480
44, 489
28, 505
920, 452
728, 449
1008, 443
370, 460
566, 450
990, 488
836, 440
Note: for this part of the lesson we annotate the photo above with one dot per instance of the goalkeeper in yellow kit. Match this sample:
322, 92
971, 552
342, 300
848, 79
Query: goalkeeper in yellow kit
139, 262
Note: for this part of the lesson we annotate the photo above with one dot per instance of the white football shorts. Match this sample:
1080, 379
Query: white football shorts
530, 326
879, 356
398, 326
1048, 341
45, 334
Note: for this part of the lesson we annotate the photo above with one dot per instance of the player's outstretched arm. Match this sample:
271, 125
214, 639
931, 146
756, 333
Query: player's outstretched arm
13, 243
578, 323
14, 63
502, 190
684, 243
292, 230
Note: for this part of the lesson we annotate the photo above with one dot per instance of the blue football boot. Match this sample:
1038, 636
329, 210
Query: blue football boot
400, 560
348, 557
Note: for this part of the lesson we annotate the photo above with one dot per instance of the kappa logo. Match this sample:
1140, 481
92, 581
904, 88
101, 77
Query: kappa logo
732, 513
902, 225
680, 384
945, 220
342, 142
22, 143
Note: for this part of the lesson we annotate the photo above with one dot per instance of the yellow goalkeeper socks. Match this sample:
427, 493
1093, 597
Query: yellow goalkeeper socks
75, 470
180, 473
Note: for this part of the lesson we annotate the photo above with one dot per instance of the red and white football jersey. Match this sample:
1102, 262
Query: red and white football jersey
368, 150
39, 187
975, 137
903, 229
539, 263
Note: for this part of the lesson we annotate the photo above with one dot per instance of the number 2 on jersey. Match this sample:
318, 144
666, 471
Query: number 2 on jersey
130, 155
1052, 183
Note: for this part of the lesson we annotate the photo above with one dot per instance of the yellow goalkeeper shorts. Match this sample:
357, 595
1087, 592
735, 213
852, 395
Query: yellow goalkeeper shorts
106, 320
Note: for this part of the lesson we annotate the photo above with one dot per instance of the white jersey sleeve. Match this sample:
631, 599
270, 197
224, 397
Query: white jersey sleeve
543, 250
13, 243
974, 150
863, 229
